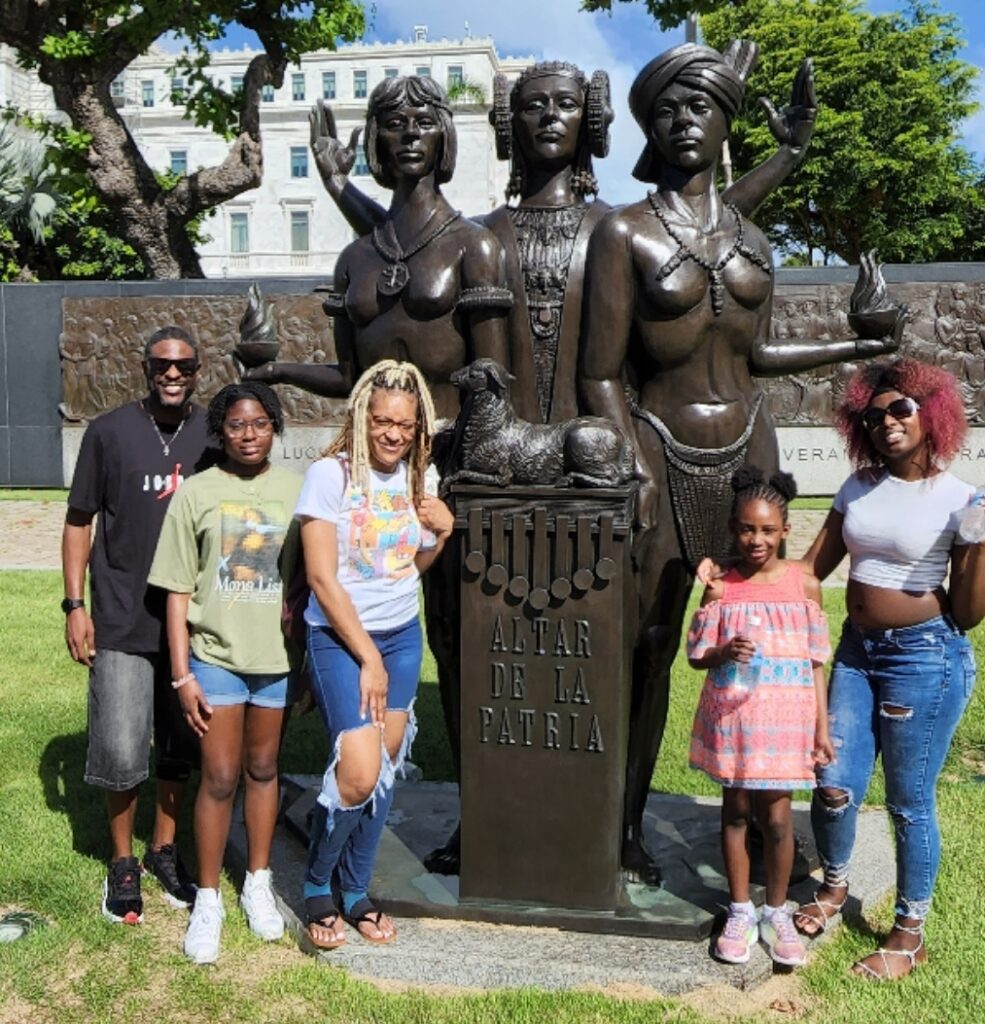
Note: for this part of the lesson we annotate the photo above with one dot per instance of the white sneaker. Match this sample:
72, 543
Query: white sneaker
260, 907
205, 927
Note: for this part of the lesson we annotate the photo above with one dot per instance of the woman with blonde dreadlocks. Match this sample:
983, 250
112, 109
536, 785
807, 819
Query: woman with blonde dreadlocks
362, 510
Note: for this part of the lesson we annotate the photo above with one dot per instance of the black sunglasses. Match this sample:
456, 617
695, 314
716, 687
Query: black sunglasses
157, 367
899, 409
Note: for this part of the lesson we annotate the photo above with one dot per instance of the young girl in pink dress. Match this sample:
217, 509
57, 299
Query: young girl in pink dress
761, 723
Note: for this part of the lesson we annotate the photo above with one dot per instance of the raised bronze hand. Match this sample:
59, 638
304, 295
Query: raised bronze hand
333, 158
794, 125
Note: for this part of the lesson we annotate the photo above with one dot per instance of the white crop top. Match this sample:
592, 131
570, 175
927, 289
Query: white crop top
899, 533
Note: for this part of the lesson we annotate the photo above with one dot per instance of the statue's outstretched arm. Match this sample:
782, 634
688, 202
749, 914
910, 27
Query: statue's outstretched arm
334, 161
792, 128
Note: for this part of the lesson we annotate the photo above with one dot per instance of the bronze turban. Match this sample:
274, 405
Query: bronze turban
722, 77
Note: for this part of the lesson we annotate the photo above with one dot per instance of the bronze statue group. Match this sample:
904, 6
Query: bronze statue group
654, 316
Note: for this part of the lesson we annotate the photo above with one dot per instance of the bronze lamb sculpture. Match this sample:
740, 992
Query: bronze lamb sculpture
492, 445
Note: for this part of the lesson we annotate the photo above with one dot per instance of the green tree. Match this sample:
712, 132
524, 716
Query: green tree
79, 46
667, 13
28, 199
885, 169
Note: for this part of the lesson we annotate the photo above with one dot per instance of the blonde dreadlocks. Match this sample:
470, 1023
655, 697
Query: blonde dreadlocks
353, 438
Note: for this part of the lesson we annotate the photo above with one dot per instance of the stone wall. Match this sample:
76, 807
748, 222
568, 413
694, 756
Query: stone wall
71, 351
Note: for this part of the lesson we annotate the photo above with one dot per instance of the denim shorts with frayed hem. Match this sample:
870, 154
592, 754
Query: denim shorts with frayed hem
131, 699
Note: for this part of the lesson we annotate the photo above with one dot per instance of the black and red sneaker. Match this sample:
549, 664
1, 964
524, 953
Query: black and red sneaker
121, 892
165, 865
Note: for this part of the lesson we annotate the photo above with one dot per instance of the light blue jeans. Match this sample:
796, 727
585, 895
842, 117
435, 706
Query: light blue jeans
901, 693
346, 837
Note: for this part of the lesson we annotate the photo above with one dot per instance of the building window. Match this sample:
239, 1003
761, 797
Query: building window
299, 231
178, 90
359, 84
179, 161
239, 233
235, 84
147, 93
422, 71
389, 72
116, 89
267, 94
328, 85
455, 75
299, 162
297, 88
360, 165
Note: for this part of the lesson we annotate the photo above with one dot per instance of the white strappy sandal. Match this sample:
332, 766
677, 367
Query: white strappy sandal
863, 970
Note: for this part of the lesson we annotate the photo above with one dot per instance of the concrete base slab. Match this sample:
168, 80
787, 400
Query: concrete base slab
446, 950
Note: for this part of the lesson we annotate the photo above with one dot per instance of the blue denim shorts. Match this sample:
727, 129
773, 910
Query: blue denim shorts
335, 673
224, 688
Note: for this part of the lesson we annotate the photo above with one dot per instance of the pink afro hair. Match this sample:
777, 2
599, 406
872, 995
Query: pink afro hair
941, 409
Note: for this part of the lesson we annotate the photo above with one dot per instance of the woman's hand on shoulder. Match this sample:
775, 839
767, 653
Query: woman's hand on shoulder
709, 571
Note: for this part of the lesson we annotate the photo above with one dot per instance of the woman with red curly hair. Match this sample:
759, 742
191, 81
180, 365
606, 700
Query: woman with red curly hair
904, 670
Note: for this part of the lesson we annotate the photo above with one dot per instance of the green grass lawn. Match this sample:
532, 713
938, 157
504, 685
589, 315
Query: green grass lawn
53, 846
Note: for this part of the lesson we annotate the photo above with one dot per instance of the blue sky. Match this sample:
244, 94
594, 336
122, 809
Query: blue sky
620, 42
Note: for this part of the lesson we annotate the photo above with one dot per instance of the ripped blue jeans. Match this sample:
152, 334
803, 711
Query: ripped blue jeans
901, 693
342, 836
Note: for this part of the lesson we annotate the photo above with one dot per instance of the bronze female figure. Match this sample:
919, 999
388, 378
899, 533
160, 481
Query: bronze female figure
677, 312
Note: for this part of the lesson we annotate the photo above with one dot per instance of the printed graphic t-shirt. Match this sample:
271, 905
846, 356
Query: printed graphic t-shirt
123, 475
221, 543
378, 536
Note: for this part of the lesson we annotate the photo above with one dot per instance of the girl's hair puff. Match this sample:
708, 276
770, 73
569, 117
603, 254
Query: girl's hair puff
942, 414
353, 439
749, 483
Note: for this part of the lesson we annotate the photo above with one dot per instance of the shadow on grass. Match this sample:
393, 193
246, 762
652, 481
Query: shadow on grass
65, 792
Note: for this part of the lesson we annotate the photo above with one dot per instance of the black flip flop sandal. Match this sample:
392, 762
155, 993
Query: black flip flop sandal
364, 912
321, 911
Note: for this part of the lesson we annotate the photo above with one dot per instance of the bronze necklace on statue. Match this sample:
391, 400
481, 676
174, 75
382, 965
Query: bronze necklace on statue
395, 275
714, 270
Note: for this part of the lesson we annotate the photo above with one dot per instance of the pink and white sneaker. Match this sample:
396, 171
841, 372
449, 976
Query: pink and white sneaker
780, 937
737, 939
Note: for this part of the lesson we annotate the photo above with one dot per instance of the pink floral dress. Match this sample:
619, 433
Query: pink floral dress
762, 737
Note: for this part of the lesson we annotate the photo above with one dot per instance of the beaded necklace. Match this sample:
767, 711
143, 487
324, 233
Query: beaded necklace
714, 270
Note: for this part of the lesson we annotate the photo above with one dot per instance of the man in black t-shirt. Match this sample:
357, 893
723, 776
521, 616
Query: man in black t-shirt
131, 461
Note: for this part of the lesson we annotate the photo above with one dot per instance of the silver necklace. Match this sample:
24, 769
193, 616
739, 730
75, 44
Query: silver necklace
165, 445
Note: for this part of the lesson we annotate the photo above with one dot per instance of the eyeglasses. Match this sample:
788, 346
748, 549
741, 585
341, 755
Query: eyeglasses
899, 409
237, 428
159, 367
383, 424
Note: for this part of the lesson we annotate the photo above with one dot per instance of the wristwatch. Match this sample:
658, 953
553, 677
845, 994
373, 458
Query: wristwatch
69, 604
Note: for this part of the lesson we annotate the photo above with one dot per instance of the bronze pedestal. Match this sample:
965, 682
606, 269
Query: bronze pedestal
546, 640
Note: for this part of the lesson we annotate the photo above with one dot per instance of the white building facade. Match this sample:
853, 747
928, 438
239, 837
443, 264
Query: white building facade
289, 225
